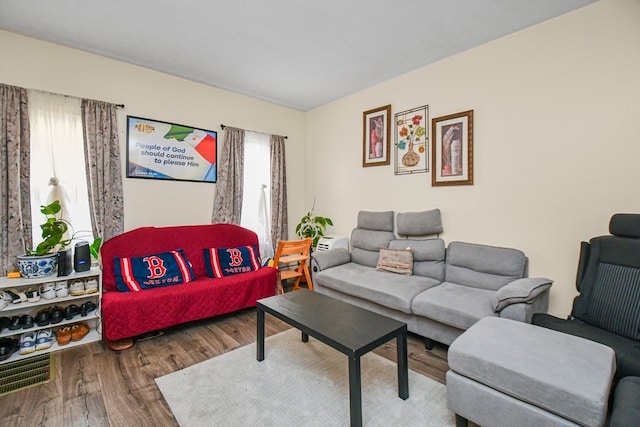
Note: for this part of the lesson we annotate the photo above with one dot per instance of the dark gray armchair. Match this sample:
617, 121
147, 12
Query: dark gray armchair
608, 307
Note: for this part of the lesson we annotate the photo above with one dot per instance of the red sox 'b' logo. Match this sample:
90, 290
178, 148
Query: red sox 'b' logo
156, 267
236, 257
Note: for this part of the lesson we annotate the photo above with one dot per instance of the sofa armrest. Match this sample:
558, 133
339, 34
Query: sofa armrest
524, 290
327, 259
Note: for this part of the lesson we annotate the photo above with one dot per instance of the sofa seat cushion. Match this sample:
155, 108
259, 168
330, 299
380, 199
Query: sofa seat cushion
454, 305
391, 290
627, 350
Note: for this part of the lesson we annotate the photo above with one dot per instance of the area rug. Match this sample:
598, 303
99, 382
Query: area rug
298, 384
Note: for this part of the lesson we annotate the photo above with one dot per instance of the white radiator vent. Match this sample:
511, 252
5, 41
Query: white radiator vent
332, 242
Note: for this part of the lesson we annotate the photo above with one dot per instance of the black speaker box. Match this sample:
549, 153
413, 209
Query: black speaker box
65, 266
82, 257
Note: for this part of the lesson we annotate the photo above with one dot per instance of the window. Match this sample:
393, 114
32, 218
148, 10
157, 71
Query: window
256, 200
57, 156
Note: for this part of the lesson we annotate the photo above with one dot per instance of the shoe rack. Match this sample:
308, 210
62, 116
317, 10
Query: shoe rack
59, 299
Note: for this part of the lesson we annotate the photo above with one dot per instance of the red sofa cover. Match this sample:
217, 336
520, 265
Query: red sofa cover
127, 314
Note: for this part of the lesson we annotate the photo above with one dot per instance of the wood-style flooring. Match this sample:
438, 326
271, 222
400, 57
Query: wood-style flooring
95, 386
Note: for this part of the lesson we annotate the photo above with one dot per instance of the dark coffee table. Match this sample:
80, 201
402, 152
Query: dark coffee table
349, 329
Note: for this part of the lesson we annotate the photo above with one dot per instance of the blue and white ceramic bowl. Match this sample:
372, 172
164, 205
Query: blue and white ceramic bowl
33, 267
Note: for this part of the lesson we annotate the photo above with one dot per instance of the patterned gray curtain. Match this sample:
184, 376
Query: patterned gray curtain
227, 203
102, 161
279, 213
15, 204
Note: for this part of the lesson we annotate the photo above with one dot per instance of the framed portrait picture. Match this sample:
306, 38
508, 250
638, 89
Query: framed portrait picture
376, 135
452, 149
161, 150
412, 141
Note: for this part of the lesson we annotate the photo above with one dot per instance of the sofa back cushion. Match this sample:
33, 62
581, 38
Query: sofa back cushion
374, 231
428, 256
415, 224
191, 238
482, 266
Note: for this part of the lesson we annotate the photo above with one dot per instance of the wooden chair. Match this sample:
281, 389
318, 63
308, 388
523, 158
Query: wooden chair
292, 260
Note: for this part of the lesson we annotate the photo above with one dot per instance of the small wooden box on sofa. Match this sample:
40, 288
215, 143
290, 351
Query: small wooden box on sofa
127, 314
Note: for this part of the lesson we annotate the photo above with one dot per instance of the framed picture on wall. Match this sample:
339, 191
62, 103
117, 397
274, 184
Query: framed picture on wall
376, 135
162, 150
452, 149
412, 141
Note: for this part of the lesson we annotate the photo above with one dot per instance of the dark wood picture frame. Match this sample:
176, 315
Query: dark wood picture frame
376, 136
452, 148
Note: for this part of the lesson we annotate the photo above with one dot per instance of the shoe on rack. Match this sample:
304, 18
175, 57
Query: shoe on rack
79, 331
43, 317
71, 311
28, 343
57, 314
4, 322
8, 346
14, 323
32, 295
61, 289
87, 307
16, 295
44, 339
5, 299
26, 321
91, 286
77, 288
64, 335
47, 291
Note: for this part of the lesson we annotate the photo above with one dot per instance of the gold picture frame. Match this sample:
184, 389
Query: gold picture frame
376, 136
452, 148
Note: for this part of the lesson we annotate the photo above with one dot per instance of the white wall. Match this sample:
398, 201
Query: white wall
35, 64
557, 141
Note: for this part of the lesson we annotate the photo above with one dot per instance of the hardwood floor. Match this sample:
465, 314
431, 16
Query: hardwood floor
95, 386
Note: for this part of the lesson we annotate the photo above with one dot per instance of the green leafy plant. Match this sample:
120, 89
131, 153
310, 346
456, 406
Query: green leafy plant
312, 226
94, 248
53, 231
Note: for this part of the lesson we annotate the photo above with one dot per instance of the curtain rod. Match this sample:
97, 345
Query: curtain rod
76, 97
224, 126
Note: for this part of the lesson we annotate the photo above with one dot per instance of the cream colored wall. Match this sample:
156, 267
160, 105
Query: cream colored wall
35, 64
557, 135
557, 141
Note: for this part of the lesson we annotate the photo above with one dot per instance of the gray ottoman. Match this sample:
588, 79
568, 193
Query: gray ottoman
508, 373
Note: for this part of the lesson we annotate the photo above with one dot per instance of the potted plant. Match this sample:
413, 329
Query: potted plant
312, 226
41, 260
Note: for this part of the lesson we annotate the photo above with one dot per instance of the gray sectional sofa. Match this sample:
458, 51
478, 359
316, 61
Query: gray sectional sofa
448, 289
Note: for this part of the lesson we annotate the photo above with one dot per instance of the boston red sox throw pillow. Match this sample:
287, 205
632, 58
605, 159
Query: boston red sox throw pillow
151, 271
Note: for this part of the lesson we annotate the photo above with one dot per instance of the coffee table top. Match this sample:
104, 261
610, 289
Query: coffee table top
345, 327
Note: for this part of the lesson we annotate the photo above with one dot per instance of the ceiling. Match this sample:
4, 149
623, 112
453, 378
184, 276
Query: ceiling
297, 53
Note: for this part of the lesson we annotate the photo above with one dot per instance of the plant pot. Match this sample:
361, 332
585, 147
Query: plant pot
32, 266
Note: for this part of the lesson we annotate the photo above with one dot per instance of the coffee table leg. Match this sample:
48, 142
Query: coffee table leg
305, 337
355, 391
260, 336
403, 367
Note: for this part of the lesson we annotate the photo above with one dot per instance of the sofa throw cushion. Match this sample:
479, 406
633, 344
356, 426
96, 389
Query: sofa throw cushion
221, 262
396, 261
520, 291
135, 274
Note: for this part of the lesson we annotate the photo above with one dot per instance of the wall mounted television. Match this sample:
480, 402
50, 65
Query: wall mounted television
162, 150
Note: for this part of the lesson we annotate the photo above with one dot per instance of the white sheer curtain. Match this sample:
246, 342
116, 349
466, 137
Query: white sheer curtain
256, 201
57, 161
